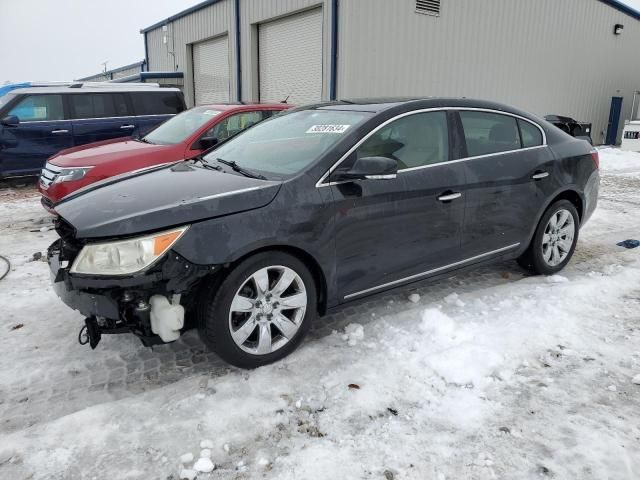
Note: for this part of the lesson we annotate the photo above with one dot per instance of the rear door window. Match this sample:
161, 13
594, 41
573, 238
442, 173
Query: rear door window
486, 133
156, 103
531, 135
37, 108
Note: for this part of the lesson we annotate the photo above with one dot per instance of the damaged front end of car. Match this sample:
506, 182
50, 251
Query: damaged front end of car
132, 285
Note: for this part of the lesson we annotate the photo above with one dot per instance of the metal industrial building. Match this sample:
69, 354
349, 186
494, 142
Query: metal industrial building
116, 73
567, 57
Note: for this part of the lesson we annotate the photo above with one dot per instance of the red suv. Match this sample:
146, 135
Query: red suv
184, 136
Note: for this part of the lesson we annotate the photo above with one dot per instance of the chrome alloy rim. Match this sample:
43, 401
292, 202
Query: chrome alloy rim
267, 310
558, 237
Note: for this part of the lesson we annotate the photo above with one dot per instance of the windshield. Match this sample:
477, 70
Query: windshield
284, 145
178, 128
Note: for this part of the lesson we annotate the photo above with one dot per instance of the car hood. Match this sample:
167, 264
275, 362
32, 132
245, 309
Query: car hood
163, 198
103, 153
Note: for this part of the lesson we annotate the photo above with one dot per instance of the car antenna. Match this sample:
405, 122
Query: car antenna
285, 100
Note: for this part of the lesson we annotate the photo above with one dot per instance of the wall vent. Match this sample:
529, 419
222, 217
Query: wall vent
428, 7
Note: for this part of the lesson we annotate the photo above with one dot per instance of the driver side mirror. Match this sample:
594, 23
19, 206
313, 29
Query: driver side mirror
10, 121
205, 143
370, 168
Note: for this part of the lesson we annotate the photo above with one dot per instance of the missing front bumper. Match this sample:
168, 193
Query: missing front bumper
124, 304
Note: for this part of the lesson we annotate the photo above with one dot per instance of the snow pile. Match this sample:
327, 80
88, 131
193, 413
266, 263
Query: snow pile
556, 279
484, 376
353, 333
615, 160
456, 359
454, 299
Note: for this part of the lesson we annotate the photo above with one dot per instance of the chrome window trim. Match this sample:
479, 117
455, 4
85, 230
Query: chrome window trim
429, 272
320, 183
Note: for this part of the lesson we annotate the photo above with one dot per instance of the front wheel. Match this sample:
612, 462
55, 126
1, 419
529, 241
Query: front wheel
554, 241
260, 312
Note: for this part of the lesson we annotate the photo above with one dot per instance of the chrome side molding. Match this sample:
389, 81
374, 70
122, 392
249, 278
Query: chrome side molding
429, 272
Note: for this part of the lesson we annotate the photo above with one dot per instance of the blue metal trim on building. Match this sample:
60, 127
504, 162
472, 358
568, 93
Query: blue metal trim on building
146, 51
181, 14
623, 7
238, 53
142, 76
334, 50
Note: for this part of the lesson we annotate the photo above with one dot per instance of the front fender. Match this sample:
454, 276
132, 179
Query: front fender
307, 228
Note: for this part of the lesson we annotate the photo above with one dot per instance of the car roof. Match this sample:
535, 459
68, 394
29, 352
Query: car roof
377, 105
87, 89
244, 105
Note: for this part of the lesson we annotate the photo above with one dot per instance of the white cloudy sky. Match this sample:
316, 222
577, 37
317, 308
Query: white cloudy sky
68, 39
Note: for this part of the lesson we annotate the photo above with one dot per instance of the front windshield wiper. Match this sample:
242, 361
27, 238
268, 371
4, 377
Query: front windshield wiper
200, 159
237, 168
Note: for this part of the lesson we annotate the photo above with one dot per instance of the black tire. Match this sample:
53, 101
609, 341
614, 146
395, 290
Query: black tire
532, 259
215, 304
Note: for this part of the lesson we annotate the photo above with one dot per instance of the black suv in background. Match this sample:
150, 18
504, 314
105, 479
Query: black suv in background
38, 122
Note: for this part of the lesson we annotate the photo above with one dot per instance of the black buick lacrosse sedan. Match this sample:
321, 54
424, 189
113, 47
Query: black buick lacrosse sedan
314, 208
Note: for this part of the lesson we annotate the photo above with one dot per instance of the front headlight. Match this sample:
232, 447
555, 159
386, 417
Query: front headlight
127, 256
70, 174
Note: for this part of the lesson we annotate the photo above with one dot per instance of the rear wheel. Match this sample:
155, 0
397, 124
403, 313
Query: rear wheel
554, 241
260, 312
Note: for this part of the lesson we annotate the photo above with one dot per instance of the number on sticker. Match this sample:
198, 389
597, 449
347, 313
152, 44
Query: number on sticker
328, 129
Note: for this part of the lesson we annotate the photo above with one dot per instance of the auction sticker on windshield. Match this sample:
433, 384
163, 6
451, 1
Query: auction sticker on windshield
328, 129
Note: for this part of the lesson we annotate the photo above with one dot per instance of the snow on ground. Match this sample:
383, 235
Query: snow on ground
490, 374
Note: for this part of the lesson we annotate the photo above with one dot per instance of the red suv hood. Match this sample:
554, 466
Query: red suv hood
117, 151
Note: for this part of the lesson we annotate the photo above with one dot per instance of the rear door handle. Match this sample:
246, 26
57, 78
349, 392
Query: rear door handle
59, 131
540, 175
128, 126
447, 197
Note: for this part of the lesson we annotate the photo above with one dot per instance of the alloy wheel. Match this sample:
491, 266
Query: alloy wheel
267, 310
558, 237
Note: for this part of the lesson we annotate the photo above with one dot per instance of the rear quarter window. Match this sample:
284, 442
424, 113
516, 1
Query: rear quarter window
157, 103
531, 135
486, 133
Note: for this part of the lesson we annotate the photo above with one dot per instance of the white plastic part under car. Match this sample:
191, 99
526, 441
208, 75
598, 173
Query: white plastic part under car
166, 318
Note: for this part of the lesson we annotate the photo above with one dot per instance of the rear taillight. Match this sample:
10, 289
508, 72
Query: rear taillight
596, 158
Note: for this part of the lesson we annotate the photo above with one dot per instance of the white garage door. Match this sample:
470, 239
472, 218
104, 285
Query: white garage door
290, 58
211, 71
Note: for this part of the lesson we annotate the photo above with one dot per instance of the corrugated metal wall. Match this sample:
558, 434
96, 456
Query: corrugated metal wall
114, 73
545, 56
253, 12
214, 20
100, 77
127, 72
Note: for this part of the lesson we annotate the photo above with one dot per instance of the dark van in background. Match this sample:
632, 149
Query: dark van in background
36, 123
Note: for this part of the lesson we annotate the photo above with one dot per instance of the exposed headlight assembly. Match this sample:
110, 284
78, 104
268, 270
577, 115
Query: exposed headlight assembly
70, 174
127, 256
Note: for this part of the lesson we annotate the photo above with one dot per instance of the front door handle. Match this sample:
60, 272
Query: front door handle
127, 127
59, 131
540, 175
448, 196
